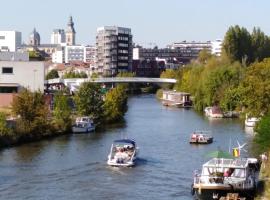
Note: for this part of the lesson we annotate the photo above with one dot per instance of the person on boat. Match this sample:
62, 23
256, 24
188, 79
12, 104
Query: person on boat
228, 172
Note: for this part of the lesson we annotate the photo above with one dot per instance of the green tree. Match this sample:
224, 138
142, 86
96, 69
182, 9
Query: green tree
260, 45
204, 55
89, 101
52, 74
62, 113
115, 104
262, 138
256, 88
4, 130
237, 44
73, 74
32, 111
126, 74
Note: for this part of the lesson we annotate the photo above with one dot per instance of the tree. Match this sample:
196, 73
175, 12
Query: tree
204, 55
32, 111
256, 88
115, 104
61, 113
262, 138
260, 45
4, 130
89, 101
52, 74
237, 45
73, 74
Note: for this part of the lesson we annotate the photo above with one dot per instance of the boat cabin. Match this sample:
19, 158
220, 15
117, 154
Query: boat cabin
201, 137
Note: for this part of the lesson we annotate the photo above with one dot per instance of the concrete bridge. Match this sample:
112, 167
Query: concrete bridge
73, 83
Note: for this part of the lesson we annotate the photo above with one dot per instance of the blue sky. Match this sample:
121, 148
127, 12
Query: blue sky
152, 21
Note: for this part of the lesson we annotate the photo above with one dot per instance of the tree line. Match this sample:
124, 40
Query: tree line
239, 80
35, 119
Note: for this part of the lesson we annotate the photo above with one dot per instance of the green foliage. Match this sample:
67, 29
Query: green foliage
32, 112
126, 74
237, 44
204, 55
73, 74
89, 101
52, 74
169, 73
256, 88
240, 45
94, 75
262, 138
115, 104
4, 130
61, 113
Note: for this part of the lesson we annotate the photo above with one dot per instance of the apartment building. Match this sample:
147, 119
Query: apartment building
10, 40
114, 50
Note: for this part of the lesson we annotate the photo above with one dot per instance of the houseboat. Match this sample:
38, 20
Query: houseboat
83, 125
123, 153
201, 137
178, 99
213, 112
220, 176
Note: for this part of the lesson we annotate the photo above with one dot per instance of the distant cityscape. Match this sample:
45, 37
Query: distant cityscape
114, 52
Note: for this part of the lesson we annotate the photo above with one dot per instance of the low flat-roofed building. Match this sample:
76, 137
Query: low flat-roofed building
15, 75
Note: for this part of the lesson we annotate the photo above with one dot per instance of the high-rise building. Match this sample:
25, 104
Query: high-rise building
58, 36
70, 32
114, 50
10, 40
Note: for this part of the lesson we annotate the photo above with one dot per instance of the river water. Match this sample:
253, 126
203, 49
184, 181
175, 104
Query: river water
74, 166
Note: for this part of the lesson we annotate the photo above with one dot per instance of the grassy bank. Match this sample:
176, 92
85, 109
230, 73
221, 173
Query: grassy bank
264, 186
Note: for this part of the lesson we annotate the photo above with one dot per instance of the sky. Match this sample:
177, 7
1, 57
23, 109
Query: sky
152, 22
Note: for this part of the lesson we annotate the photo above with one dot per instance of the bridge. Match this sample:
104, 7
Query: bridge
76, 82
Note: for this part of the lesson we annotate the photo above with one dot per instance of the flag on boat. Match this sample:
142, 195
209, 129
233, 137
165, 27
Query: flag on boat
236, 152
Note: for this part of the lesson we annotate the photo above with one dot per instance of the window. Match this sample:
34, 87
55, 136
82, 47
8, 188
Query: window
8, 89
7, 70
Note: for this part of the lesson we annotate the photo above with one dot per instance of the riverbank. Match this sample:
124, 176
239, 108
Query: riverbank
264, 184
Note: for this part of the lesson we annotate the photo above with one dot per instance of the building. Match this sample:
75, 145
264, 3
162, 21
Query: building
74, 53
16, 75
58, 36
191, 50
90, 55
14, 56
10, 40
34, 38
216, 47
59, 55
114, 50
70, 32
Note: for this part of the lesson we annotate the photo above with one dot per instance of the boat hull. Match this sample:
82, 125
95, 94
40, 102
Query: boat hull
82, 130
194, 141
115, 164
210, 194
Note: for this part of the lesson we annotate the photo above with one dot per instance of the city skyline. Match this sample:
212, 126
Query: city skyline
155, 22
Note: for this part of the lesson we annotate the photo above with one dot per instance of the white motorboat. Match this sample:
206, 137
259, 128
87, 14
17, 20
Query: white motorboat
201, 137
251, 122
220, 176
123, 153
83, 125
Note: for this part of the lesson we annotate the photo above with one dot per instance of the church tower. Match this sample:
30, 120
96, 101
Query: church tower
34, 38
70, 32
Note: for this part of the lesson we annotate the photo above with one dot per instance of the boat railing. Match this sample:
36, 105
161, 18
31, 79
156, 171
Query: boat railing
218, 179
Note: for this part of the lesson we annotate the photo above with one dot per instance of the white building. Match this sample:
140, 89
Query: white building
58, 36
15, 75
90, 55
74, 53
59, 55
10, 40
216, 47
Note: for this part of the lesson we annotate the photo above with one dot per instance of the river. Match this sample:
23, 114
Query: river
74, 166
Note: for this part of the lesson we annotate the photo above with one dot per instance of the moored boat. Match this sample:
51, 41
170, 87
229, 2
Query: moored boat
251, 122
123, 153
213, 112
83, 125
176, 99
220, 176
201, 137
